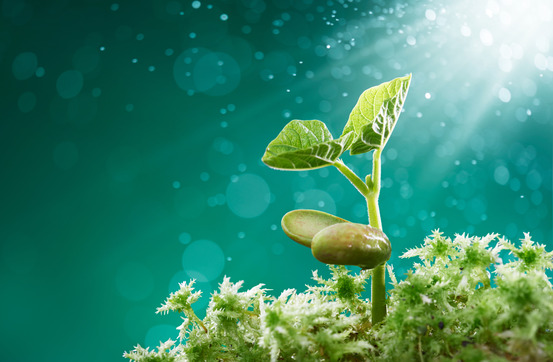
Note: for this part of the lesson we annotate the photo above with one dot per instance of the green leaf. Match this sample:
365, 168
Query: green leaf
375, 115
304, 145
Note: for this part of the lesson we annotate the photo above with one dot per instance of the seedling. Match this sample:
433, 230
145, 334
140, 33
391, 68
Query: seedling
308, 145
463, 301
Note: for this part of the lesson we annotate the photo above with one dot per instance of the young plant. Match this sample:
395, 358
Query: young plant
308, 145
464, 300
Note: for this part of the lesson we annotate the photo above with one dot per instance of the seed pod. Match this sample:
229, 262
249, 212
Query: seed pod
351, 244
302, 225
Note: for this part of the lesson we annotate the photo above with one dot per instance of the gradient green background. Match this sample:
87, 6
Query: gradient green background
132, 134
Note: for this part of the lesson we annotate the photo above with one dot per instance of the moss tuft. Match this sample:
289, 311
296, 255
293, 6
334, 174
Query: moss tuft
462, 302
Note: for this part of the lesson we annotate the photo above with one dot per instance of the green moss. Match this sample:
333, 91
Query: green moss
462, 302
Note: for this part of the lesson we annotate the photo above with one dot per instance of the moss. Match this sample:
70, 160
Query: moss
461, 302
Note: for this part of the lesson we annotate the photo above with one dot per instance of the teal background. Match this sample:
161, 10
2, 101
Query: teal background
132, 134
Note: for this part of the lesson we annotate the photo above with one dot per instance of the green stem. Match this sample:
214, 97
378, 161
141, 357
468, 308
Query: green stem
371, 190
378, 289
352, 177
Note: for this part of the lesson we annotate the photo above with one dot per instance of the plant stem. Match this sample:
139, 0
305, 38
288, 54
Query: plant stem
378, 288
371, 191
352, 177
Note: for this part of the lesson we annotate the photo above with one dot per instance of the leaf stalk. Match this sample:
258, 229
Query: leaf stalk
352, 177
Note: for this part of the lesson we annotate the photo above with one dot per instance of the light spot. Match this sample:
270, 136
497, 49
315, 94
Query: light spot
40, 72
533, 180
501, 175
203, 260
26, 102
224, 17
196, 4
486, 37
184, 238
24, 65
430, 14
465, 30
540, 61
504, 95
204, 176
277, 249
249, 196
69, 84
